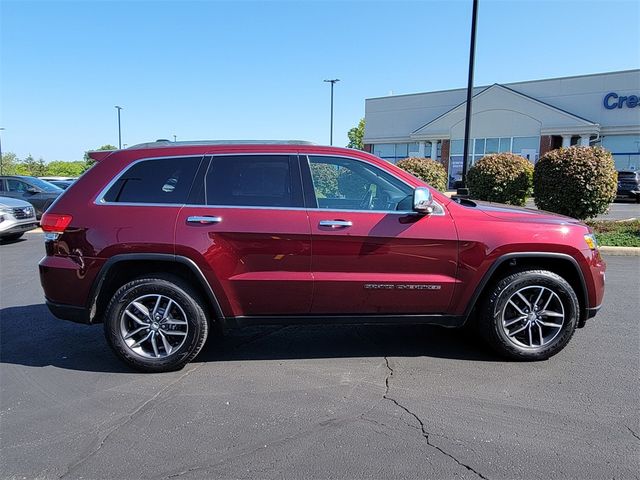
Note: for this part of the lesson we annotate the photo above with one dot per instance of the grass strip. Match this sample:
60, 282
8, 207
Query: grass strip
620, 233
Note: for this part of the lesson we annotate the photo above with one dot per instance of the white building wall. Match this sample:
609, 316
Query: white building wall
583, 96
392, 119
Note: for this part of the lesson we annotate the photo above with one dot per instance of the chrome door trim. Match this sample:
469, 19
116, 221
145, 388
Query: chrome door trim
336, 223
202, 220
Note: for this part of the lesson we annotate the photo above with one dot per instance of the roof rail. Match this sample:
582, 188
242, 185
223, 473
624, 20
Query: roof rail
168, 143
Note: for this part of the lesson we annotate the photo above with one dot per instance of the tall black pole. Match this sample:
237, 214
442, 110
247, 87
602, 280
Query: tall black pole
119, 129
331, 127
467, 121
332, 82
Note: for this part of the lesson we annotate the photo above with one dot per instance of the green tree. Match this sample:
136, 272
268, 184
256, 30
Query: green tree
10, 162
61, 168
89, 162
356, 136
31, 166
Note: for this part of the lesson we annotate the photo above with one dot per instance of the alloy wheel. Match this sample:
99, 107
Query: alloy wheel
533, 317
154, 326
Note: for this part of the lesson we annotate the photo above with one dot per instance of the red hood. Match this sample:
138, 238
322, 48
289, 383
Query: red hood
522, 214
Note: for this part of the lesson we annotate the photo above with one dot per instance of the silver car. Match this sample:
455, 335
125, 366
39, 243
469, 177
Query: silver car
16, 218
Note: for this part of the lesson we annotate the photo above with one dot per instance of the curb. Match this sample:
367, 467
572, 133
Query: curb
620, 251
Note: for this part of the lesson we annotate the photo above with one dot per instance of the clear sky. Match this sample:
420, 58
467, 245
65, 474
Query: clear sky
255, 70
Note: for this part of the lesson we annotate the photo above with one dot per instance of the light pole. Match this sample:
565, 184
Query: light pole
1, 162
119, 129
467, 121
174, 139
332, 82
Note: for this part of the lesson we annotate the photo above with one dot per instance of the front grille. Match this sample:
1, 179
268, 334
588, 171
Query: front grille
23, 212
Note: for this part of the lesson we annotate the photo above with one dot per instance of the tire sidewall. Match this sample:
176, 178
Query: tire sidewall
511, 284
197, 324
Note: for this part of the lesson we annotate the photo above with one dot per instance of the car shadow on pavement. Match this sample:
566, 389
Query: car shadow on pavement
31, 336
6, 241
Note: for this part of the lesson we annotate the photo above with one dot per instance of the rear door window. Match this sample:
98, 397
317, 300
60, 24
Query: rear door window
254, 180
162, 181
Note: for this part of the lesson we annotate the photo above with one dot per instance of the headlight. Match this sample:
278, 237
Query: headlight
591, 241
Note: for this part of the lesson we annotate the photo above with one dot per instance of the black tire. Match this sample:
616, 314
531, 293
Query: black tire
521, 345
187, 304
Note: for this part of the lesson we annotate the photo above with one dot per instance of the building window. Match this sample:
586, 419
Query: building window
393, 152
505, 144
625, 150
492, 145
525, 143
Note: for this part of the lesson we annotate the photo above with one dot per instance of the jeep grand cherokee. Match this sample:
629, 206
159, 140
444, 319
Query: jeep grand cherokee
163, 241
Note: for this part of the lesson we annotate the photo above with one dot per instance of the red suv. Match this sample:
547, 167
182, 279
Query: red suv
162, 241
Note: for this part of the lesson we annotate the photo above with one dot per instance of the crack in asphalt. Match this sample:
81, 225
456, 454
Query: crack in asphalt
633, 433
123, 422
423, 429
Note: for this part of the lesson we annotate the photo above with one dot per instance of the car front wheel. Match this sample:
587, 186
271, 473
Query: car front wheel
530, 315
156, 324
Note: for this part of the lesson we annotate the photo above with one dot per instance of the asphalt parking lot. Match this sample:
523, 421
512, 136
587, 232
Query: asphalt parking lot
312, 402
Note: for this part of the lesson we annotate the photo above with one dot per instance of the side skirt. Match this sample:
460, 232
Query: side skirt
449, 321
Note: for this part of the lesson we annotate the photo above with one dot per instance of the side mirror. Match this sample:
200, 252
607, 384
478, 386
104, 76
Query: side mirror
422, 201
32, 190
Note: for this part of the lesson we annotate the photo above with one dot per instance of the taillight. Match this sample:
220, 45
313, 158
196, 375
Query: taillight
55, 223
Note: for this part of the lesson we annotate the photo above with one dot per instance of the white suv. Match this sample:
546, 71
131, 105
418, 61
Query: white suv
16, 217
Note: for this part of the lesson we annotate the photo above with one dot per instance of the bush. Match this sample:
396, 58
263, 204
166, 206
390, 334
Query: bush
579, 182
502, 178
427, 170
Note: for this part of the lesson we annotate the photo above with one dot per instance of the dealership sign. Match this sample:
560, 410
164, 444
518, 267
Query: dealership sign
613, 100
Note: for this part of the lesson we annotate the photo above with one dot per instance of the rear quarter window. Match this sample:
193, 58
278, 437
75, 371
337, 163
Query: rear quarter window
165, 180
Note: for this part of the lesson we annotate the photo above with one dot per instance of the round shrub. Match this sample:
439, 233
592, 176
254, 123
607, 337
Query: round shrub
579, 182
502, 178
427, 170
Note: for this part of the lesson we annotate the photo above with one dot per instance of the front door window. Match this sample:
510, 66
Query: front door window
348, 184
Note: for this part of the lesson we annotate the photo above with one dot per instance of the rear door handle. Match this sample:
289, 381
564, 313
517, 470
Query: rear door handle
336, 223
203, 220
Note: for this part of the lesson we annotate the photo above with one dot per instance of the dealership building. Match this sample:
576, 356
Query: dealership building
526, 118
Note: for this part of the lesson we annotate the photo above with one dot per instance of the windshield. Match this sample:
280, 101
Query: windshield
44, 186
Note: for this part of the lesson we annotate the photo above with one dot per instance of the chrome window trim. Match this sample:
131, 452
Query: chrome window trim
100, 197
99, 200
440, 208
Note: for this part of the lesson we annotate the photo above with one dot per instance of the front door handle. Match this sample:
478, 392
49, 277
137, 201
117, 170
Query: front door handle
336, 223
203, 220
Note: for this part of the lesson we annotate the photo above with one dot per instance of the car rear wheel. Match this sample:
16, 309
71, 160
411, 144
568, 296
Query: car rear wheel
156, 323
530, 315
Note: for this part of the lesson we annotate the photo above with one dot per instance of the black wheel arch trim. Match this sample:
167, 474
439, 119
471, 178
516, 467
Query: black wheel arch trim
516, 255
96, 288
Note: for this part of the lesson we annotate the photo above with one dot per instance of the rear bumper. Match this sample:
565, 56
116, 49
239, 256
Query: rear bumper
68, 280
10, 228
72, 313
